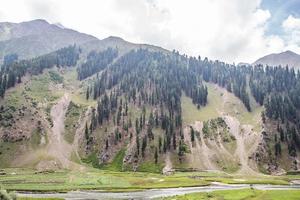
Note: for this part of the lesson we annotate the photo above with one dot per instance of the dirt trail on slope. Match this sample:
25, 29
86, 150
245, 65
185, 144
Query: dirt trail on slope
243, 134
58, 148
200, 156
205, 151
241, 151
168, 164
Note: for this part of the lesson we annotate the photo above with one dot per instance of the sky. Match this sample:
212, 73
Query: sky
228, 30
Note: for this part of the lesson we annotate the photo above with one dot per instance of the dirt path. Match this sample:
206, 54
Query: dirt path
243, 138
205, 151
168, 164
58, 147
241, 151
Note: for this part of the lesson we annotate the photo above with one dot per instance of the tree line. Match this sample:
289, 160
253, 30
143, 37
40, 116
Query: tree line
12, 70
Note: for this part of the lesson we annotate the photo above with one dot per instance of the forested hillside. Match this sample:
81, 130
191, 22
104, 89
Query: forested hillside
12, 70
148, 109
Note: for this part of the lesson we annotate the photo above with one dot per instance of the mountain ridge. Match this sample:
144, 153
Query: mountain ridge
37, 37
130, 106
286, 58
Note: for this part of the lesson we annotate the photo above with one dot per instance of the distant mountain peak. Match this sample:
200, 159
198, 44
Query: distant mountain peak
36, 37
289, 52
114, 38
286, 58
39, 21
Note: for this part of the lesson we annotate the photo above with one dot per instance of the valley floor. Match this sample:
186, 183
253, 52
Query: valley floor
14, 179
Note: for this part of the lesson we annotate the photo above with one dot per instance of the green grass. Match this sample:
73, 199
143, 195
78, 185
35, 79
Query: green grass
249, 180
233, 106
92, 160
117, 163
150, 167
39, 89
55, 77
243, 194
7, 152
28, 180
190, 113
228, 165
90, 178
71, 119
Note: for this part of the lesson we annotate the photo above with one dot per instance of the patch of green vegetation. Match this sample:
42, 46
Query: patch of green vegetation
92, 159
293, 173
150, 167
4, 195
228, 165
117, 163
71, 119
60, 181
7, 152
38, 89
13, 101
35, 139
13, 97
242, 194
233, 106
190, 113
55, 77
249, 180
29, 180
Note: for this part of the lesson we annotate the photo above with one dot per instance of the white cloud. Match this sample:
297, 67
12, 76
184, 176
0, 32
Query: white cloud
232, 30
291, 23
291, 27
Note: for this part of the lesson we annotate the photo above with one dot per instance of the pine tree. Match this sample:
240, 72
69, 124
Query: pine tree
87, 93
86, 132
138, 144
192, 135
156, 155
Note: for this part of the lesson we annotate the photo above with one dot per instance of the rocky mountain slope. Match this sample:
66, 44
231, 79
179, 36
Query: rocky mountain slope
37, 37
287, 58
121, 106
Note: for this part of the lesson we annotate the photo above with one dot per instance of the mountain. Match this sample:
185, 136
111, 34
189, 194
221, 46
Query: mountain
37, 37
117, 105
285, 58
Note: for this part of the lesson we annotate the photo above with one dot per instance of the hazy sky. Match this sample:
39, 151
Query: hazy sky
229, 30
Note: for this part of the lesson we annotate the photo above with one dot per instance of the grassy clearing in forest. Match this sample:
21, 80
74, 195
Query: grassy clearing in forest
38, 88
232, 105
190, 113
